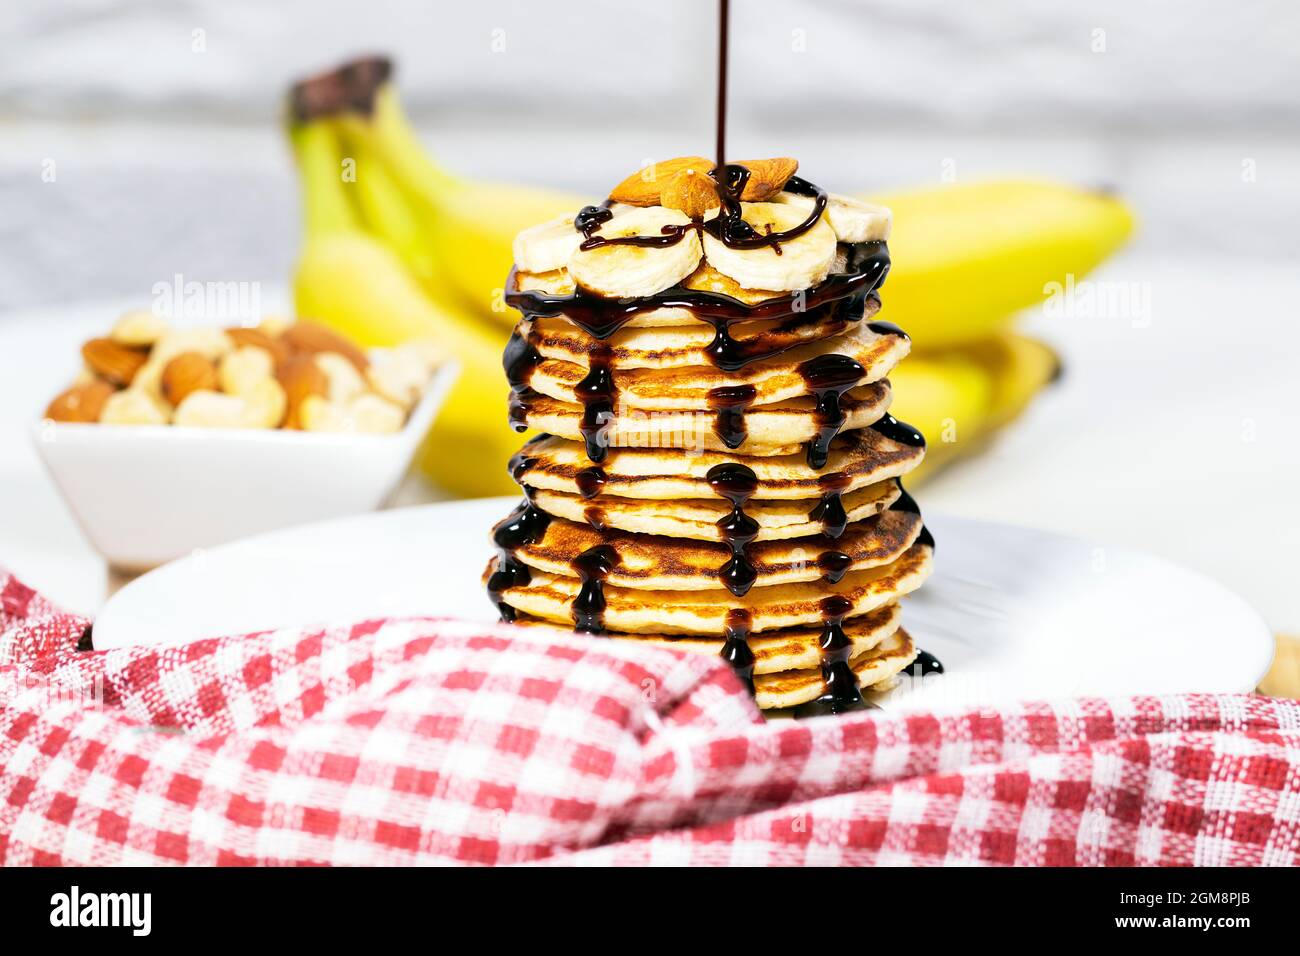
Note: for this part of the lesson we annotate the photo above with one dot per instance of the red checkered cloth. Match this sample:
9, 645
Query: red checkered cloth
418, 741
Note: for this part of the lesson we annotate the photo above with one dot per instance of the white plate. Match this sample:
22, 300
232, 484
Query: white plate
1012, 613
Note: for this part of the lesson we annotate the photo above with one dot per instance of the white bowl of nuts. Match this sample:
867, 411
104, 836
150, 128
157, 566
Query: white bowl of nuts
176, 439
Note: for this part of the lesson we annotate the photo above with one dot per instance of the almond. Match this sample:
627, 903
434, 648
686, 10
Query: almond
81, 403
767, 177
301, 378
643, 188
187, 372
312, 337
113, 361
259, 337
692, 192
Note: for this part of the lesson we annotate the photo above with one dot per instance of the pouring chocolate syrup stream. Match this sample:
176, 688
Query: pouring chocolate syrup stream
724, 31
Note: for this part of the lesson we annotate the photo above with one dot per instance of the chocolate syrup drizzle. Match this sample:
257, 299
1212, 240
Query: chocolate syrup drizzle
737, 483
901, 432
525, 525
729, 404
729, 227
907, 503
865, 270
834, 565
830, 510
735, 649
840, 692
925, 664
590, 481
731, 354
592, 567
843, 296
596, 392
521, 462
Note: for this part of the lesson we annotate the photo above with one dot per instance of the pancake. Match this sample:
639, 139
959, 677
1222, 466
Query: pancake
876, 667
778, 429
786, 663
687, 386
680, 346
698, 518
857, 459
551, 597
718, 472
654, 562
795, 648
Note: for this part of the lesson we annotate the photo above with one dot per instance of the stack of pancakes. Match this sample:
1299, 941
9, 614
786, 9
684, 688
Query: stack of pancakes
717, 469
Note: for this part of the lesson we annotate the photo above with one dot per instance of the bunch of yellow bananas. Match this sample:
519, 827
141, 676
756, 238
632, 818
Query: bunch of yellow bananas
397, 248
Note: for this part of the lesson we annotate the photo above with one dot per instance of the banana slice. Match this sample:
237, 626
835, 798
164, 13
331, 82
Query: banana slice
556, 282
616, 271
803, 262
852, 219
546, 246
